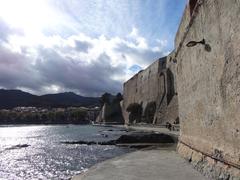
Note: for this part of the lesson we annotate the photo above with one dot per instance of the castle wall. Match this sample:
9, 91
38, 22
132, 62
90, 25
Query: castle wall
209, 86
171, 113
157, 84
167, 101
143, 88
201, 85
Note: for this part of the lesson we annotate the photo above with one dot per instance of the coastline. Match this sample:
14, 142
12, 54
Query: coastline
155, 162
150, 163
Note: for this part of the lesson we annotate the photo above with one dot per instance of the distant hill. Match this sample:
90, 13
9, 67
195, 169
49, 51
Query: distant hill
13, 98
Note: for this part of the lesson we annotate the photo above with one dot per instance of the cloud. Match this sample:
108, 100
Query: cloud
82, 46
88, 47
16, 71
86, 65
142, 57
6, 30
87, 79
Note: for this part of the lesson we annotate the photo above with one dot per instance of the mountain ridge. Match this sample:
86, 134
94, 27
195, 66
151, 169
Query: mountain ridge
13, 98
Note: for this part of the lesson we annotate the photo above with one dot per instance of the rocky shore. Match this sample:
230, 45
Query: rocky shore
133, 139
156, 158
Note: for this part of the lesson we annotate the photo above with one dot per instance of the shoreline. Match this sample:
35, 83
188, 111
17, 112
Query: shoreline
149, 163
133, 130
154, 148
143, 128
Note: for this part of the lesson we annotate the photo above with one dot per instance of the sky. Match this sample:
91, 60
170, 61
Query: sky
84, 46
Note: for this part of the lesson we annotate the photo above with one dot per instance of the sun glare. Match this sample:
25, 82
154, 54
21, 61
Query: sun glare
29, 15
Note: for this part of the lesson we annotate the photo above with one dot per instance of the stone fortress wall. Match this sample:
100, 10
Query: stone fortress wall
153, 90
143, 88
201, 85
208, 79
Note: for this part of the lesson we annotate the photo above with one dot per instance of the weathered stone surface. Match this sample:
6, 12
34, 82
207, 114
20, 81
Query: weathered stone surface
206, 165
208, 80
207, 77
143, 88
154, 89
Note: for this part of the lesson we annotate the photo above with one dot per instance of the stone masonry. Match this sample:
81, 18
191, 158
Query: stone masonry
156, 86
208, 77
200, 85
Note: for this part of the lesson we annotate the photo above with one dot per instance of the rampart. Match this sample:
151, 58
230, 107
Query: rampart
208, 76
153, 90
199, 82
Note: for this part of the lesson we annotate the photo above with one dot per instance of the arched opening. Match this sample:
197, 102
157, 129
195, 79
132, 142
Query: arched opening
170, 86
163, 87
161, 98
150, 112
135, 112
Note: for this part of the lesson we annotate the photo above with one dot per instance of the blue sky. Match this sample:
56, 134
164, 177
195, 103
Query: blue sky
85, 46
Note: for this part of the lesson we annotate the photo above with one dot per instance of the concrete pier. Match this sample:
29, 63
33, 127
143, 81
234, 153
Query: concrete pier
162, 163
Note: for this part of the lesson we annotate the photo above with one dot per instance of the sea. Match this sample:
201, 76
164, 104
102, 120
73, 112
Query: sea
37, 151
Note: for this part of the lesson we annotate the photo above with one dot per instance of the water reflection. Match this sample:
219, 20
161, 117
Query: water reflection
45, 157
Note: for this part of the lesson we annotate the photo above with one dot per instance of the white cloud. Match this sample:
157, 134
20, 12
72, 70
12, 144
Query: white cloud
80, 63
162, 43
84, 46
134, 32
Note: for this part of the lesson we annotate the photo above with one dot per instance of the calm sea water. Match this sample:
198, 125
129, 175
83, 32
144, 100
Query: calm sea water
47, 157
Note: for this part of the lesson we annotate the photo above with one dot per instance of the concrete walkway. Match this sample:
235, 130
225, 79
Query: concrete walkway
151, 164
174, 134
147, 128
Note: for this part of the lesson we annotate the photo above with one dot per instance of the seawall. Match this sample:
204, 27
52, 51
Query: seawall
198, 86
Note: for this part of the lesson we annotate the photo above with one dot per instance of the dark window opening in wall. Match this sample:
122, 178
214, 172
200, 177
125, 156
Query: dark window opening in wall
162, 86
149, 112
149, 74
192, 5
163, 64
170, 86
135, 113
